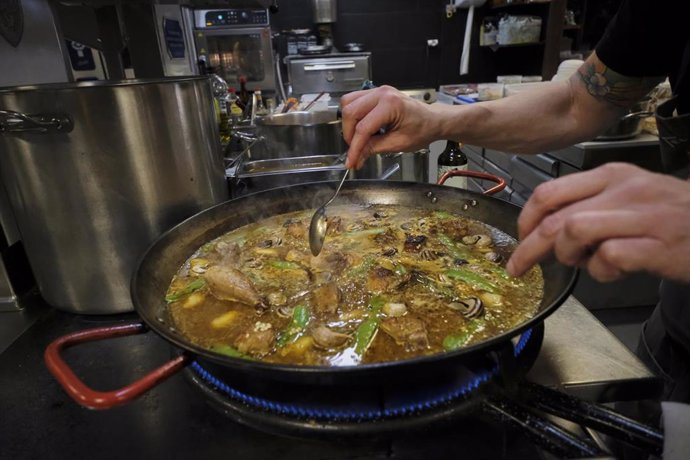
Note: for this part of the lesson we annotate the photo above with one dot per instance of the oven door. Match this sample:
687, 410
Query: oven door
239, 51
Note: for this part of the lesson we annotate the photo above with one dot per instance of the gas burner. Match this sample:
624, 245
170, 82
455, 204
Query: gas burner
307, 410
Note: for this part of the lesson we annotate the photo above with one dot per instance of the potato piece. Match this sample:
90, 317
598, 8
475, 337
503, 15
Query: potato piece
298, 347
225, 320
193, 300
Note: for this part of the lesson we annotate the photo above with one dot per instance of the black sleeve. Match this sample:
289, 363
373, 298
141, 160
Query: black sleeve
646, 38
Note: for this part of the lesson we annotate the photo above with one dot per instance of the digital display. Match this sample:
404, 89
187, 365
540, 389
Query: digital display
236, 17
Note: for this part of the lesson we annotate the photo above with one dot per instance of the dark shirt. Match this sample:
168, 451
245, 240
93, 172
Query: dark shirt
648, 38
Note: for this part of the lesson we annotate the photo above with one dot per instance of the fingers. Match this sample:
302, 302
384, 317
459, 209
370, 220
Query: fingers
366, 139
584, 231
554, 195
356, 107
365, 113
536, 246
616, 258
595, 239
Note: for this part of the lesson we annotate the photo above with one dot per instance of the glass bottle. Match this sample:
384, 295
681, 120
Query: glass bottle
244, 94
234, 108
453, 158
260, 106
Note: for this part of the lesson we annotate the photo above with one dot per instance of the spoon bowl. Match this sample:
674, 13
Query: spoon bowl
318, 226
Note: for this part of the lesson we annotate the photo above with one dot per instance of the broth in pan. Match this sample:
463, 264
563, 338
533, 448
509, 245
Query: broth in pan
391, 283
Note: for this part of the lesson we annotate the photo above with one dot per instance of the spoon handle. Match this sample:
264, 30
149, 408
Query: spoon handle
337, 189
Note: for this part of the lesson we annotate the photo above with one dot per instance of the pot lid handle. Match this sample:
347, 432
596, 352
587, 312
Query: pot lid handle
17, 122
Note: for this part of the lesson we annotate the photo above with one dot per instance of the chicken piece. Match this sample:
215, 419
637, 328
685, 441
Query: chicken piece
382, 279
407, 331
256, 341
296, 229
229, 253
334, 263
226, 283
325, 298
327, 339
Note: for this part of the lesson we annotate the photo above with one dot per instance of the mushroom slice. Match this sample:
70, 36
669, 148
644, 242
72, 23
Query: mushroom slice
480, 241
327, 339
493, 257
389, 252
469, 308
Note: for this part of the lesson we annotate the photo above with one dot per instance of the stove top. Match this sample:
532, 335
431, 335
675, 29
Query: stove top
174, 421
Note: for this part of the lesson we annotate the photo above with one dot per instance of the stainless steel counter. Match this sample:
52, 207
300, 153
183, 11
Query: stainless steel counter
582, 357
642, 150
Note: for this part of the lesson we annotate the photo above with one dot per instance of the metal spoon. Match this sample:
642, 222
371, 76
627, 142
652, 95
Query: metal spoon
318, 226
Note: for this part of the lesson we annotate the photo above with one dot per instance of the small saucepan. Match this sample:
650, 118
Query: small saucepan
628, 126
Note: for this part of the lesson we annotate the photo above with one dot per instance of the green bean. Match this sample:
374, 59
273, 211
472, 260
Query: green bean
284, 264
364, 334
195, 285
450, 245
366, 331
300, 318
434, 287
460, 339
227, 350
443, 215
368, 231
472, 278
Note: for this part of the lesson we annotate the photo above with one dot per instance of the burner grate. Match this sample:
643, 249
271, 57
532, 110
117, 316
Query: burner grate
460, 391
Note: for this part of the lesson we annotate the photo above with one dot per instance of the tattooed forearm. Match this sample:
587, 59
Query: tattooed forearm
607, 85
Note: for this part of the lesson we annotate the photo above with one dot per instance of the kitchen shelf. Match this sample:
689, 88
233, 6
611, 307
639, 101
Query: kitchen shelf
512, 4
515, 45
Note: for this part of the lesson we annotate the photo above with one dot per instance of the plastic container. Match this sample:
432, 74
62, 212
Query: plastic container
509, 79
513, 30
489, 91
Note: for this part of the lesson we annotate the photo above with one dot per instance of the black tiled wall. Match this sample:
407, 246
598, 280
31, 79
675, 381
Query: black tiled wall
396, 32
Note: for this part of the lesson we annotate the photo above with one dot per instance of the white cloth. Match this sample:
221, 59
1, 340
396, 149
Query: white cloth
676, 421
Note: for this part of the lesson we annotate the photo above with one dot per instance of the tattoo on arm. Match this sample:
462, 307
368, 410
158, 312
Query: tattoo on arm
609, 86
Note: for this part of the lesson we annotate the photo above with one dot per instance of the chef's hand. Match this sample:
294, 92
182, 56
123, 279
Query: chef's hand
613, 220
409, 124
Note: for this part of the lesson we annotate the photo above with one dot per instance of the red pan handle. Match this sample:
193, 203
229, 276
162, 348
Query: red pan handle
89, 397
500, 182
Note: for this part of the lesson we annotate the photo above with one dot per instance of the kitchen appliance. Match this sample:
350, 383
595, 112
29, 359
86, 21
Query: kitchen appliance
95, 171
294, 134
335, 73
325, 11
233, 43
